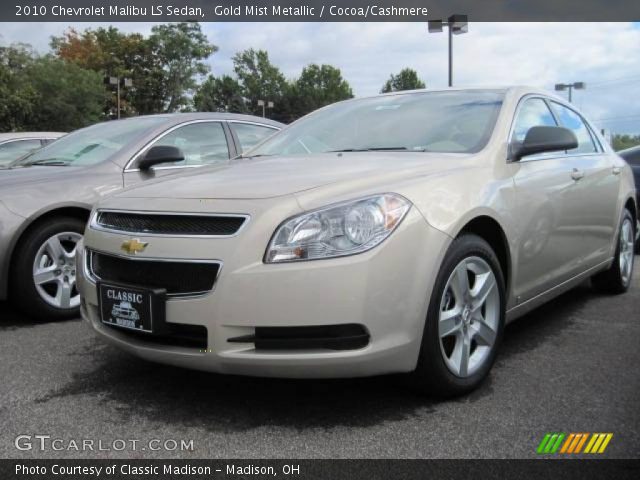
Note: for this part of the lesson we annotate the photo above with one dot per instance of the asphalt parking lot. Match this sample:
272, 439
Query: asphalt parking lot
570, 366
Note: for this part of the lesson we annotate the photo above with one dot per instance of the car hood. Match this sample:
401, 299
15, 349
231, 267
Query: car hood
21, 176
268, 177
28, 190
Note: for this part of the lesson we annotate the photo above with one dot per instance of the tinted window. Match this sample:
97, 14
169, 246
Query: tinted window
250, 135
455, 121
202, 143
533, 113
94, 144
13, 150
571, 120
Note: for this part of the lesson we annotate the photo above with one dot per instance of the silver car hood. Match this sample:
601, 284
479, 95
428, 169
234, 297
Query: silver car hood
269, 177
28, 190
21, 176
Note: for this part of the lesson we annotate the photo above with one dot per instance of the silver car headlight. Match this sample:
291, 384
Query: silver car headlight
338, 230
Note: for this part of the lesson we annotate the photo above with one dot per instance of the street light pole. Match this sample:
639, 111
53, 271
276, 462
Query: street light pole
450, 56
118, 82
457, 24
559, 87
263, 104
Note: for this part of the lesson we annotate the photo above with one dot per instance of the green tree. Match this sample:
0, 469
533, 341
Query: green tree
317, 86
622, 142
181, 49
67, 96
260, 79
113, 53
46, 93
16, 93
223, 94
407, 79
164, 67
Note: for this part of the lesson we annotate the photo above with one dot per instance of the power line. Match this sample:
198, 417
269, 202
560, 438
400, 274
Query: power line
621, 117
607, 83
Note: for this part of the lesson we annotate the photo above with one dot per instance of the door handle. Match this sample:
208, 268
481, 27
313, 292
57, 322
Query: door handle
577, 174
616, 170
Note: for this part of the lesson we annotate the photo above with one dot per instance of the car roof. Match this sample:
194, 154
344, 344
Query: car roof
21, 135
514, 91
191, 116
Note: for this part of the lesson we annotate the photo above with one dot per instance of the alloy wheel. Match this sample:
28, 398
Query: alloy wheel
626, 250
54, 270
469, 316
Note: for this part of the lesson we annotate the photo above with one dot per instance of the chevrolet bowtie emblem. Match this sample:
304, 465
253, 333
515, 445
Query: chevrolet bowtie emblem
133, 246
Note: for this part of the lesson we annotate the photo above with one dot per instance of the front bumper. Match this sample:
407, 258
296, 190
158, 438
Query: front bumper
9, 227
386, 290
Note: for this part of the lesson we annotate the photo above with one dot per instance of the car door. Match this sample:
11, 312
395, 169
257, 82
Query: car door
549, 249
203, 142
247, 134
597, 186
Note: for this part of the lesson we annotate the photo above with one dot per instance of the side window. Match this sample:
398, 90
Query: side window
250, 135
202, 143
571, 120
533, 113
13, 150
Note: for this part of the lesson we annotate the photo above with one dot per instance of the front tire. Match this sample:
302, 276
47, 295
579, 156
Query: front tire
617, 278
464, 322
43, 279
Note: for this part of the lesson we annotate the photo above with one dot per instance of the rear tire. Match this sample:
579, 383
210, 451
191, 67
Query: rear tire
47, 253
617, 278
462, 322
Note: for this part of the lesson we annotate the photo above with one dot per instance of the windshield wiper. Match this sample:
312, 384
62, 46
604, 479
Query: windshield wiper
370, 149
54, 162
257, 155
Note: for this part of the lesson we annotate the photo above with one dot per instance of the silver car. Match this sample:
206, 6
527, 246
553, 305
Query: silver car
46, 197
392, 234
17, 144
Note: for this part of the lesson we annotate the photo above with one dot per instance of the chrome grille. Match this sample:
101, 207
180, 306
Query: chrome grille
146, 223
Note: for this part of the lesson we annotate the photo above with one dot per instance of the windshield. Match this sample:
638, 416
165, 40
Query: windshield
454, 122
91, 145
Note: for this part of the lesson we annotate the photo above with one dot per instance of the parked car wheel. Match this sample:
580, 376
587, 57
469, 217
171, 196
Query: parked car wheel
464, 322
617, 278
44, 273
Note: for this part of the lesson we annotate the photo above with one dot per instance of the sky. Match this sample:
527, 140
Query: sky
606, 56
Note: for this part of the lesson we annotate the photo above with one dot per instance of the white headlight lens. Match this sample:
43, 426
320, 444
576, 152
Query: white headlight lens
362, 222
343, 229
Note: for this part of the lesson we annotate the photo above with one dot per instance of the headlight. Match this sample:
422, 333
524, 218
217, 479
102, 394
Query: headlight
338, 230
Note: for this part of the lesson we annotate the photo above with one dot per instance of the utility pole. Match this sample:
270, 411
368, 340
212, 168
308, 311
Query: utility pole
457, 24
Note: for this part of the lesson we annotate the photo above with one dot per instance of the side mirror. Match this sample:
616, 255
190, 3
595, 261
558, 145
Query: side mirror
160, 154
546, 139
